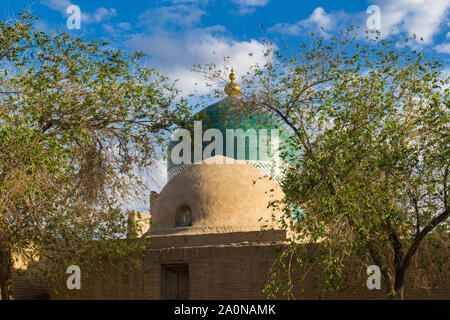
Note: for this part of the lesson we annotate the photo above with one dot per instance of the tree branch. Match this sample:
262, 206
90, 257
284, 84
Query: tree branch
419, 237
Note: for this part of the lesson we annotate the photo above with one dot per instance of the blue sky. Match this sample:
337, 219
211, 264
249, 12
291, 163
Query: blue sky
175, 34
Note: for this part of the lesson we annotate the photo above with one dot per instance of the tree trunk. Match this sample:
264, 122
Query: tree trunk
395, 292
400, 274
6, 274
399, 293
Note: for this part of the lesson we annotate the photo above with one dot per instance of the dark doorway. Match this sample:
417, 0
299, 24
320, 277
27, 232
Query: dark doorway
175, 282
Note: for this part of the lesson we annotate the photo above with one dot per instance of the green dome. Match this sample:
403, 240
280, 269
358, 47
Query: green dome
230, 113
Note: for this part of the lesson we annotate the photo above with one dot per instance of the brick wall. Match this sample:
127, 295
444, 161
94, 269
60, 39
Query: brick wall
26, 286
221, 266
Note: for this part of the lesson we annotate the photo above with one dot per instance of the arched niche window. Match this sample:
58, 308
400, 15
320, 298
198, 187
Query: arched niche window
183, 216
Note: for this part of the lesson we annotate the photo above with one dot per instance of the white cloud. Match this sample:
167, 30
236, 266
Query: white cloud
41, 25
180, 15
318, 19
103, 14
446, 75
420, 17
321, 18
100, 15
443, 48
154, 178
117, 30
251, 3
124, 26
176, 53
248, 6
57, 5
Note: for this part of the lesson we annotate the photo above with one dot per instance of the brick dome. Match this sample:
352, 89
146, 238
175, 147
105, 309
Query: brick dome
216, 197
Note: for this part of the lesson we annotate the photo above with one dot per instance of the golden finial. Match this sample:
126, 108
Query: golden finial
232, 75
232, 89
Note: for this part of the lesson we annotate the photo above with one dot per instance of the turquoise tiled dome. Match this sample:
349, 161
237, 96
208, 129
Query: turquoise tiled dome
230, 113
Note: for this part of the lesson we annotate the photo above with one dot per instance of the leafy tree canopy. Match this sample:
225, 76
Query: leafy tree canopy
76, 119
370, 119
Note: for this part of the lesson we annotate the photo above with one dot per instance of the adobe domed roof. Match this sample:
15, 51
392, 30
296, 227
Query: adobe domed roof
217, 198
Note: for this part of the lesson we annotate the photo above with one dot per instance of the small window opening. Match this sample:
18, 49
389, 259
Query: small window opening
184, 217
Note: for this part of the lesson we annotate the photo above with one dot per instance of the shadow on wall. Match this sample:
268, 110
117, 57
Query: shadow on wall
27, 286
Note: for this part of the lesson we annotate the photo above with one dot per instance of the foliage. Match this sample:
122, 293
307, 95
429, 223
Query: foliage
77, 118
371, 121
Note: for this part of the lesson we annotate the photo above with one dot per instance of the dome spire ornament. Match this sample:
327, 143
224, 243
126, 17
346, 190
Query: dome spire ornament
232, 89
